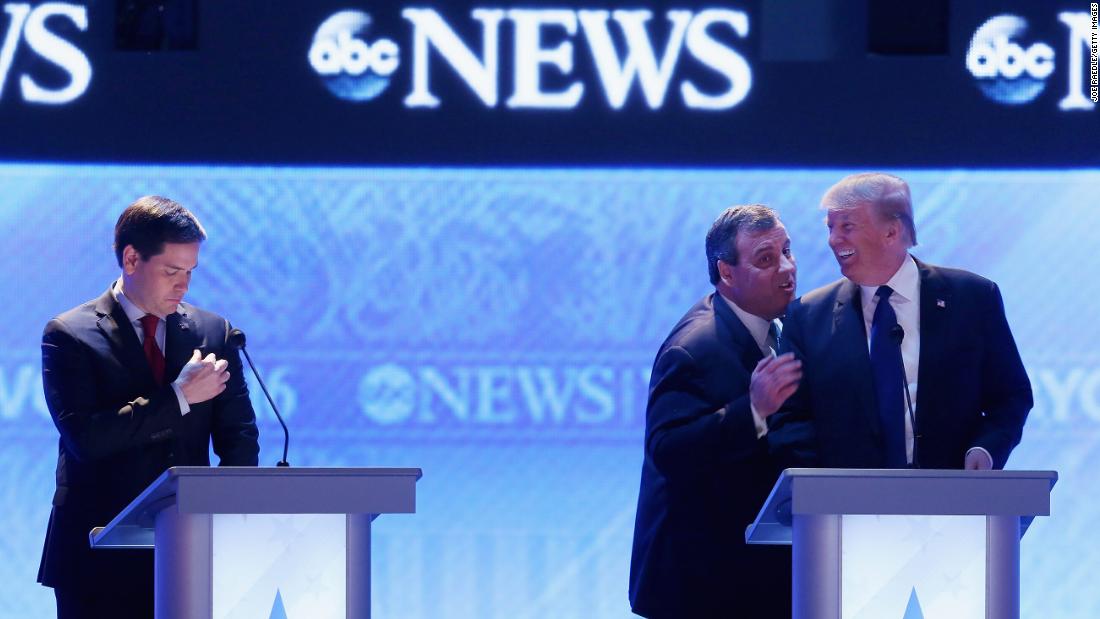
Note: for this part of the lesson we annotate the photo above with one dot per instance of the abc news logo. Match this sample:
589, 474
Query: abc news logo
38, 30
352, 68
628, 49
346, 54
1013, 70
501, 396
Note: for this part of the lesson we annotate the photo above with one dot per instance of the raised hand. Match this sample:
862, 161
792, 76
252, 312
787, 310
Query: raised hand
202, 378
773, 381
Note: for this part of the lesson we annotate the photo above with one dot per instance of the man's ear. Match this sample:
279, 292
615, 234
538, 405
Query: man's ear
130, 259
894, 232
725, 272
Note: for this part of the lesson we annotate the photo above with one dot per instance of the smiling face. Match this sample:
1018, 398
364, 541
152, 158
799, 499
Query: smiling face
157, 285
868, 249
763, 280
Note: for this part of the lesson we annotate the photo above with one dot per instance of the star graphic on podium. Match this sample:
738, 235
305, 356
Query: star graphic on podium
277, 609
912, 609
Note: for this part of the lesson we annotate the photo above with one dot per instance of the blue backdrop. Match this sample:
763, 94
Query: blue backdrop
496, 327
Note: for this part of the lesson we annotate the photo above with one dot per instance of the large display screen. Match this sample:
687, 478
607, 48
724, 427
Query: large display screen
504, 83
496, 327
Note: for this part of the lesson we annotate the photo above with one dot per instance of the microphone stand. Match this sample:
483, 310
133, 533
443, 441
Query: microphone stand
237, 340
899, 334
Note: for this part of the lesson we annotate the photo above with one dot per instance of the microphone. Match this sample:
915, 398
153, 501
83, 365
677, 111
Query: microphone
898, 334
236, 341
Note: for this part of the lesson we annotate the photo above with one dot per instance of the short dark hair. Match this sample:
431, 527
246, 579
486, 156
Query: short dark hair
722, 237
152, 221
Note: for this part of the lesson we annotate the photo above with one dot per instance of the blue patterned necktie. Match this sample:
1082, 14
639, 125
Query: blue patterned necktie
889, 374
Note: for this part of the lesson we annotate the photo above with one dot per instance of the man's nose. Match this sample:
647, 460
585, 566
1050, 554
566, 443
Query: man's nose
786, 264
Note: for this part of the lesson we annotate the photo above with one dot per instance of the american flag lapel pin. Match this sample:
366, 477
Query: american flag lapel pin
940, 303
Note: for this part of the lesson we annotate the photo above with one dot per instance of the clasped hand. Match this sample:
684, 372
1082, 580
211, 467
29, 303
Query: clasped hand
203, 378
773, 381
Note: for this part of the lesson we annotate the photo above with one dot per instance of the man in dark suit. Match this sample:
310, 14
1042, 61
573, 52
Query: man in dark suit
706, 469
956, 358
131, 393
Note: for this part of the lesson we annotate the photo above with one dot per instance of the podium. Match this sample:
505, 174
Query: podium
903, 544
261, 542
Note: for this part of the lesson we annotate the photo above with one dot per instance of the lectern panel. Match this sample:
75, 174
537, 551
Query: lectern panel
280, 565
912, 567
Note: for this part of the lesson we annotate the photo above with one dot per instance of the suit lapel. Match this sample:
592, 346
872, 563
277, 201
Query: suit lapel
121, 336
850, 334
742, 341
179, 342
935, 303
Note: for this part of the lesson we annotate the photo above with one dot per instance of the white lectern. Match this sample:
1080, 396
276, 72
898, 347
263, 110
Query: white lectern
261, 542
903, 544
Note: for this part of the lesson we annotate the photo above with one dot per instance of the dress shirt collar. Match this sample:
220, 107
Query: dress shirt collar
905, 283
133, 312
757, 326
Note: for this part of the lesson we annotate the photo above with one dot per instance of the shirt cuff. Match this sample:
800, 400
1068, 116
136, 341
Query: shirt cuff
983, 450
758, 421
184, 406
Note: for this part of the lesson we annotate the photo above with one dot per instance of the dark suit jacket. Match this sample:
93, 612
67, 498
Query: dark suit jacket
119, 431
704, 478
972, 390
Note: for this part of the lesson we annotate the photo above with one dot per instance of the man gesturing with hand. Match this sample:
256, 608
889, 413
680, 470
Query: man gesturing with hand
136, 381
706, 470
203, 378
773, 381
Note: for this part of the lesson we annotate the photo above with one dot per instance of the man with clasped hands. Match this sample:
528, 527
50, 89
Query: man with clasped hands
136, 381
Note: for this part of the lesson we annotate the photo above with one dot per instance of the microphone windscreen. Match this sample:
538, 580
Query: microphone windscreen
897, 333
236, 339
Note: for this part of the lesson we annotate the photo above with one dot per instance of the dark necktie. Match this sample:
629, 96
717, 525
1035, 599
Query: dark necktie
152, 352
889, 374
773, 338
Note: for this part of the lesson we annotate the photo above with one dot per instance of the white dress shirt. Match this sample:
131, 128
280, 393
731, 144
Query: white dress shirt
906, 303
758, 329
135, 314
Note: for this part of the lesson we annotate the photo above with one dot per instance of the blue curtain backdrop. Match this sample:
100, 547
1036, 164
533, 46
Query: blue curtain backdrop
496, 328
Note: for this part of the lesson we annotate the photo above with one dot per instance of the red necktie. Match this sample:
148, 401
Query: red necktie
152, 351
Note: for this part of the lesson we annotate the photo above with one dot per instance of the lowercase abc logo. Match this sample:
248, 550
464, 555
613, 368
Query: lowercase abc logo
350, 66
1007, 69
